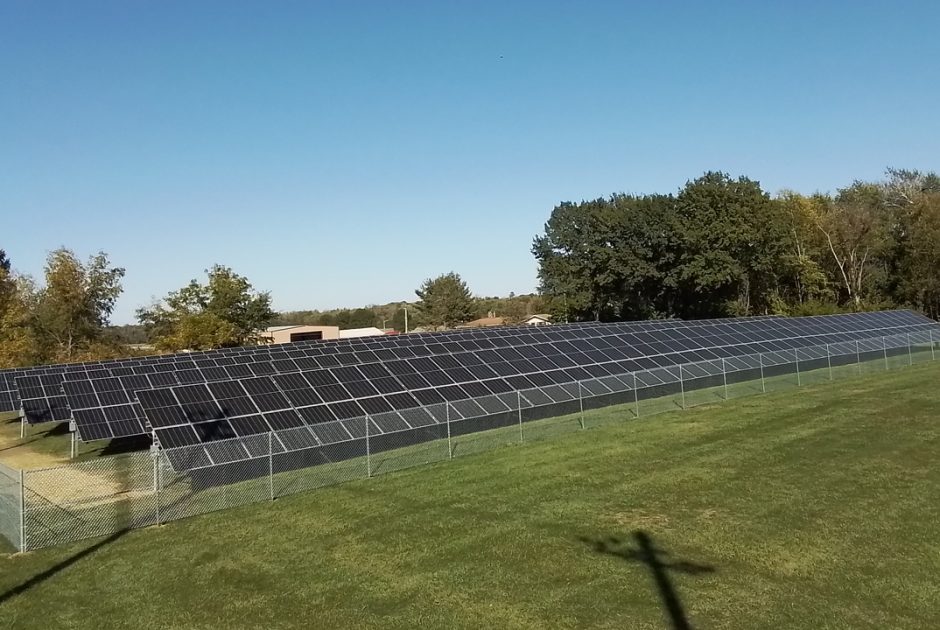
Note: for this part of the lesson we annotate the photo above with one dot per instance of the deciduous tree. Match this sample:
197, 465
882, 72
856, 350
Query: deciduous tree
73, 307
225, 311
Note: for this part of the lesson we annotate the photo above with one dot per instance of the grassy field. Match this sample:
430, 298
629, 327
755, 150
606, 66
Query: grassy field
49, 444
810, 508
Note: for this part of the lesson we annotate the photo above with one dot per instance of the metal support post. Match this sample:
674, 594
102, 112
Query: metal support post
22, 510
858, 358
636, 395
156, 482
910, 353
933, 355
829, 361
450, 445
763, 386
271, 464
368, 451
724, 377
884, 347
796, 355
74, 446
581, 404
22, 424
681, 387
519, 409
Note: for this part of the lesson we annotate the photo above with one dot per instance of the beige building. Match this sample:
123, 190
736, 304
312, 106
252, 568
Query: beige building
288, 334
541, 319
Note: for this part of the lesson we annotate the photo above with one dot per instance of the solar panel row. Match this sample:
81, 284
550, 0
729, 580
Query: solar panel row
104, 408
11, 401
339, 398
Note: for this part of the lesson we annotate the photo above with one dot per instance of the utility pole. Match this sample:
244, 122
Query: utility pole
405, 307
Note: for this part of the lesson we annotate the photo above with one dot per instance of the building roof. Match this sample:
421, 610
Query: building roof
486, 321
540, 316
369, 331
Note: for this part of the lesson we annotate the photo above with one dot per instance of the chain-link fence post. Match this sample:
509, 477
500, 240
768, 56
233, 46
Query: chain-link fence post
155, 455
519, 409
910, 352
763, 386
22, 424
829, 361
159, 492
858, 358
681, 387
450, 444
636, 394
368, 451
581, 404
23, 510
724, 378
271, 464
796, 357
884, 347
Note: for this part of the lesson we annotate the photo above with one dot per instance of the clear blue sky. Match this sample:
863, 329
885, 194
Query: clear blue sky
339, 153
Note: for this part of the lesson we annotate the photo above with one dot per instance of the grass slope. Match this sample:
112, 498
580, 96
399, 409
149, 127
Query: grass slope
815, 508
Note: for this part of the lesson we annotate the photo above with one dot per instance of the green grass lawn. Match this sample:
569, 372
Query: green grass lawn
809, 508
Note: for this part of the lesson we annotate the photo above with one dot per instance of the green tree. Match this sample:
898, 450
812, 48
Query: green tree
4, 262
444, 301
803, 278
18, 343
225, 311
72, 309
733, 241
607, 258
857, 227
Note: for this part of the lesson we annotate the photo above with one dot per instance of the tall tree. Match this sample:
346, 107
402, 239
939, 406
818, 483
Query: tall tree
732, 244
803, 279
4, 262
225, 311
858, 230
607, 258
444, 301
73, 307
18, 344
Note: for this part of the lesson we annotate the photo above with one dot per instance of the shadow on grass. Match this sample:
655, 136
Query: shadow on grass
59, 566
121, 445
57, 429
646, 553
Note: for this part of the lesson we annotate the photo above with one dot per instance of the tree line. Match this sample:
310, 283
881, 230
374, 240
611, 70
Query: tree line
719, 247
723, 246
513, 308
65, 318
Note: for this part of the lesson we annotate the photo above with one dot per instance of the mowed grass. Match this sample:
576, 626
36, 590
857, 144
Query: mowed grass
809, 508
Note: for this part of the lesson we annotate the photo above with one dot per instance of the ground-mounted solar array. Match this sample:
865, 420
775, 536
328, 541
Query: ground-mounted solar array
221, 364
316, 393
327, 405
105, 408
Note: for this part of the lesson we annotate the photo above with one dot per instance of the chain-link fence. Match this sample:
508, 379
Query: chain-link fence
11, 505
39, 508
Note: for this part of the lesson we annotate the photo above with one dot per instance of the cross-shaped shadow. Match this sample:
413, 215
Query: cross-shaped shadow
656, 560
